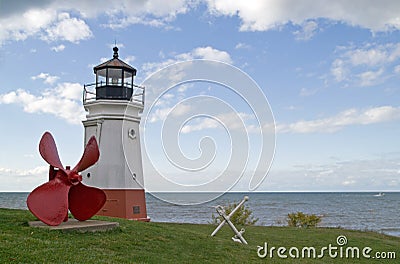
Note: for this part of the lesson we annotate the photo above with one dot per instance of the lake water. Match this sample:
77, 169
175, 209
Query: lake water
360, 211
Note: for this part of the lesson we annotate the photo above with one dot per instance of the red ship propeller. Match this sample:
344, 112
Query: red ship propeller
50, 201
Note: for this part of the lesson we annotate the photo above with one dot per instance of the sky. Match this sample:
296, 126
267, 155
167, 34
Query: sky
328, 72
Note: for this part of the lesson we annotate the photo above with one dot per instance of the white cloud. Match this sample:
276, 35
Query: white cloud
291, 108
155, 13
397, 69
69, 29
336, 174
369, 78
47, 23
129, 59
72, 91
21, 26
346, 118
202, 124
180, 109
241, 45
272, 14
161, 113
47, 78
22, 179
361, 175
51, 19
339, 70
374, 55
367, 65
368, 56
308, 91
208, 53
35, 171
226, 119
124, 13
349, 182
308, 30
63, 101
151, 67
58, 48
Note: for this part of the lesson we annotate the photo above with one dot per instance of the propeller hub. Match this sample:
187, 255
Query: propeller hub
73, 177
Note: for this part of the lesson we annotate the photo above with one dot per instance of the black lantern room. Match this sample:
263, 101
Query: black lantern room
114, 79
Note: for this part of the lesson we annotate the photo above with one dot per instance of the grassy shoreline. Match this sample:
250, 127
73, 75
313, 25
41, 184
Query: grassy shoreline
137, 242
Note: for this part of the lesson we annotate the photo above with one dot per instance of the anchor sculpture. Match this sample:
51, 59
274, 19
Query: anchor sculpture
50, 201
238, 237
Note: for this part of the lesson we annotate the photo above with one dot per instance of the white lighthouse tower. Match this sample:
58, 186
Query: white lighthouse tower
113, 104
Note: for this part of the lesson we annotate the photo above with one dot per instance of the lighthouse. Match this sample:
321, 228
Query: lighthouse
113, 104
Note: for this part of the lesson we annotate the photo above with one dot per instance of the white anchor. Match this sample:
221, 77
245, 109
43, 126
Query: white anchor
221, 211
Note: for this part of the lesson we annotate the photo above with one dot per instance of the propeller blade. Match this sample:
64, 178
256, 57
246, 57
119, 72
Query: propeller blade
84, 201
49, 201
48, 150
90, 155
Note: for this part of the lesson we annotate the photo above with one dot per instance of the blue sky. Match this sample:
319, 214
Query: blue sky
330, 71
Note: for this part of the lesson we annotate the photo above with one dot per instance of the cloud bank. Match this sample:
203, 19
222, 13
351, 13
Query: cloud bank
67, 20
345, 118
63, 101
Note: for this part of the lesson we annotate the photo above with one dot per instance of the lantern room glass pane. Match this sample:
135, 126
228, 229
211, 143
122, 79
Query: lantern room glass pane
114, 76
128, 79
101, 77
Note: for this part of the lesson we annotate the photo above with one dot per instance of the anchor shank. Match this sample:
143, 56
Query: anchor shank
229, 216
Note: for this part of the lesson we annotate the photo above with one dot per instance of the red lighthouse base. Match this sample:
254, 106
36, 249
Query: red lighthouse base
125, 203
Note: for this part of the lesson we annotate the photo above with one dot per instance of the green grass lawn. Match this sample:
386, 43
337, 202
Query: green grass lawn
138, 242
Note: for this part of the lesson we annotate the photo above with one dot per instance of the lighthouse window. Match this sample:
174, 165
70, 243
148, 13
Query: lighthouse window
101, 78
136, 209
132, 133
128, 79
114, 76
